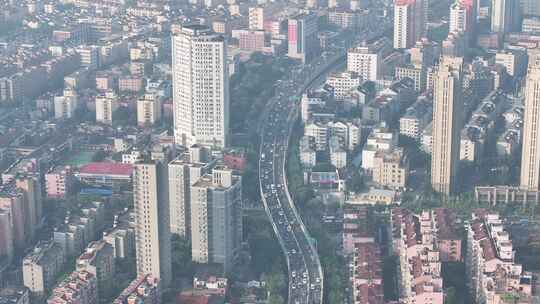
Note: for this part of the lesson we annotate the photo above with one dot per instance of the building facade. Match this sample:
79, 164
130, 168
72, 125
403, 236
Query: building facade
106, 105
302, 38
200, 87
409, 24
530, 157
183, 173
216, 220
41, 267
504, 16
152, 232
447, 122
148, 110
365, 61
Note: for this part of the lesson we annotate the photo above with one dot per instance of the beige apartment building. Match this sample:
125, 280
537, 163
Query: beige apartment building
152, 232
41, 266
106, 105
30, 186
390, 168
530, 158
447, 124
148, 110
98, 259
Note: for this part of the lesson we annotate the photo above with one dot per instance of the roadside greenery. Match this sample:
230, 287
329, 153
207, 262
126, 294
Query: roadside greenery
252, 87
267, 260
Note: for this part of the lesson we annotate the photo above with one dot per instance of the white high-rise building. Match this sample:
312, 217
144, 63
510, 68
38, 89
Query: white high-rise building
65, 106
530, 157
458, 18
148, 109
447, 124
343, 83
152, 231
504, 16
106, 105
200, 87
409, 24
366, 61
463, 17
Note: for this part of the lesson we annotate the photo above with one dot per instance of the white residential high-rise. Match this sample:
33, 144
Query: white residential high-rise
366, 61
447, 125
200, 87
148, 109
530, 157
106, 105
65, 106
504, 16
458, 18
463, 16
343, 83
216, 217
152, 231
409, 24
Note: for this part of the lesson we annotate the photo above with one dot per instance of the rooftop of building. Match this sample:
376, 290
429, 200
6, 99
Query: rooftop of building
72, 285
446, 224
395, 155
358, 221
367, 278
106, 168
42, 253
93, 250
143, 285
419, 109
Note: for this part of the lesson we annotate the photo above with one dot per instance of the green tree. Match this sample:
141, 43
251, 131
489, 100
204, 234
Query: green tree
99, 156
450, 296
182, 265
276, 299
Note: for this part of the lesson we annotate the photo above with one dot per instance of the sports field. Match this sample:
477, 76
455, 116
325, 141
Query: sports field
79, 158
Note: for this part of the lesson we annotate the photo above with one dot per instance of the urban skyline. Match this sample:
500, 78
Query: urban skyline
242, 151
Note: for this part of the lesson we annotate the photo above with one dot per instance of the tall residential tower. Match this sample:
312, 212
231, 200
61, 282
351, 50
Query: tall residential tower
216, 217
530, 157
505, 16
153, 234
200, 87
409, 23
447, 124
